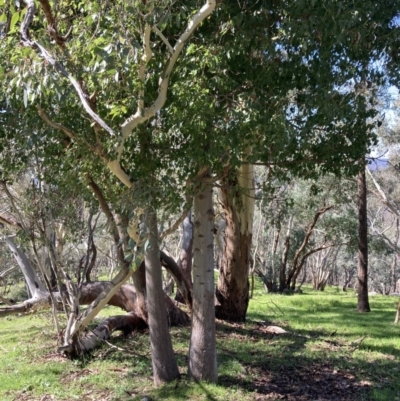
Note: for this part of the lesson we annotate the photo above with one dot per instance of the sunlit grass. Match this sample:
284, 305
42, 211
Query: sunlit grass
323, 328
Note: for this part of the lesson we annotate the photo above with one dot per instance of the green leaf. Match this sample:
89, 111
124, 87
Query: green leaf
14, 20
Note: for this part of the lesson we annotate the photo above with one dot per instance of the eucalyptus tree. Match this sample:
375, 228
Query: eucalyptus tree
113, 59
272, 83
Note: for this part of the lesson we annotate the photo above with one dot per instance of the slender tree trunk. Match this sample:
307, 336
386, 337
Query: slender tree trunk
36, 287
363, 303
285, 253
185, 257
301, 254
165, 368
393, 268
202, 350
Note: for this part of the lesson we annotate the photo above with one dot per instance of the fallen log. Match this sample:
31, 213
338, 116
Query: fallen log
128, 324
125, 298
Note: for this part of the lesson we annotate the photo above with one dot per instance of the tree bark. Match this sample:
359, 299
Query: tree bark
363, 302
393, 268
35, 286
202, 350
237, 199
126, 323
285, 254
396, 319
183, 282
165, 368
186, 254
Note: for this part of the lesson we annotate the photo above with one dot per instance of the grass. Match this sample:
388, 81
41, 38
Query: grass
332, 353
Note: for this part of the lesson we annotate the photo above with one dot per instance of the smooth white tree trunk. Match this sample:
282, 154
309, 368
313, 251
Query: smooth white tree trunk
36, 287
202, 351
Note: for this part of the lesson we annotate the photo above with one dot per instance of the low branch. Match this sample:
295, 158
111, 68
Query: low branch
29, 306
184, 285
126, 323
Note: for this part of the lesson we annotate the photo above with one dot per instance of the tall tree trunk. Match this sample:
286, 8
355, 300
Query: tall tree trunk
202, 350
237, 199
393, 267
285, 253
165, 368
363, 303
185, 257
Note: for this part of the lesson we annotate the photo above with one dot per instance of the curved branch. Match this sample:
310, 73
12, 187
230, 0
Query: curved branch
110, 218
70, 134
185, 287
139, 117
296, 265
52, 29
31, 10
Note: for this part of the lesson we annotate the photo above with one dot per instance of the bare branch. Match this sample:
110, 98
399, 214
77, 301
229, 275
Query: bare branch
52, 26
163, 38
381, 194
173, 227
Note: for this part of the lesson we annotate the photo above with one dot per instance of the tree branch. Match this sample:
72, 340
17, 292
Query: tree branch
381, 194
52, 29
31, 10
133, 121
296, 265
173, 227
70, 134
110, 218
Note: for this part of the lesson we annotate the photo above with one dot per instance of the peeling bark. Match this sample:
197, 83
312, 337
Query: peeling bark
237, 200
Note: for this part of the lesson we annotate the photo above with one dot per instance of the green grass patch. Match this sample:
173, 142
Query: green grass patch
331, 352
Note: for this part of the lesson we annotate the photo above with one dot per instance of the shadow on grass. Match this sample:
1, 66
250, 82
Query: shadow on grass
278, 367
256, 365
